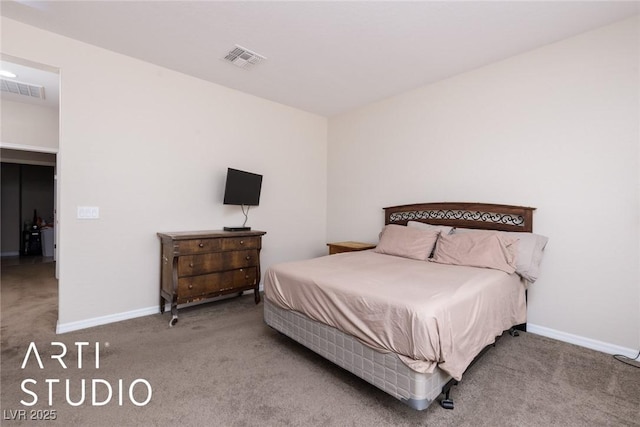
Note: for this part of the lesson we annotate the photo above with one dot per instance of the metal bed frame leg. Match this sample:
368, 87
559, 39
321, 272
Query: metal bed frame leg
447, 402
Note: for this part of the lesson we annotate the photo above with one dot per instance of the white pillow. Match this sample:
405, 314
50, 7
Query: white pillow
443, 229
530, 251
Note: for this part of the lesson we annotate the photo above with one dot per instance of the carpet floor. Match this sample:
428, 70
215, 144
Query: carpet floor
222, 366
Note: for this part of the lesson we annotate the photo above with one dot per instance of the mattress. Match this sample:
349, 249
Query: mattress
433, 316
383, 370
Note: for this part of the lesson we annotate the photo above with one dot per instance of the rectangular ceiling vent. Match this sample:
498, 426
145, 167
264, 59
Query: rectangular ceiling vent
243, 58
20, 88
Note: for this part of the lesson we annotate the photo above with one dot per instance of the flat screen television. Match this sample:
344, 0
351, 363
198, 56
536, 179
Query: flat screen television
242, 188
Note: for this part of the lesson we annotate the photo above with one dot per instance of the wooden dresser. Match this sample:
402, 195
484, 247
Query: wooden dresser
197, 265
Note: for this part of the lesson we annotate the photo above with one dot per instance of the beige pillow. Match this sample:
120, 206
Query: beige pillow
443, 229
406, 242
530, 251
482, 249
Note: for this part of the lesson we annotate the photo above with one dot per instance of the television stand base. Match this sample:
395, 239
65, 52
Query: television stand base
237, 228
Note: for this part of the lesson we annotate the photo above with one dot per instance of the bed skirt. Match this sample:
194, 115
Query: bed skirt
383, 370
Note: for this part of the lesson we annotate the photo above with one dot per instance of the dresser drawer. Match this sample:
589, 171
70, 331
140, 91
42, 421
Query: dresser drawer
190, 288
191, 265
242, 278
198, 246
239, 243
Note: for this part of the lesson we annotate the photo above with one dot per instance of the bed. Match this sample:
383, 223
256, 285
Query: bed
411, 315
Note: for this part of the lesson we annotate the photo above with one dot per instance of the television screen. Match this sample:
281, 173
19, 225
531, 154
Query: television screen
242, 188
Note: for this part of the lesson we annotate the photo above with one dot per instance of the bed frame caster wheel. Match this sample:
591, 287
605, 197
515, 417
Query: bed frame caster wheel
446, 403
173, 321
514, 332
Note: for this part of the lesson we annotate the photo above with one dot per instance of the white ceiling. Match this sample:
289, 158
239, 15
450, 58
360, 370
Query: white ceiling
323, 57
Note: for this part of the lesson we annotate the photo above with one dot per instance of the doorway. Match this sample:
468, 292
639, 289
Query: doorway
29, 156
28, 206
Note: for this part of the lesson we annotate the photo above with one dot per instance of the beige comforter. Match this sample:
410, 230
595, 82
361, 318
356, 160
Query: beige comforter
429, 314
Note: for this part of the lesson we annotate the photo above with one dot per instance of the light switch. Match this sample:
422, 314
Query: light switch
88, 212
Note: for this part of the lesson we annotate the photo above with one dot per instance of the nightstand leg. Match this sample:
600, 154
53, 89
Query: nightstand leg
257, 295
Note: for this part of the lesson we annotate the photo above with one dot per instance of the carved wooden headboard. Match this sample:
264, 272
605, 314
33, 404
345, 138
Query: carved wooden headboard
466, 215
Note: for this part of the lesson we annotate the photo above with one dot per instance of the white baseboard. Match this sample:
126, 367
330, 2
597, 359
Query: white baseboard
592, 344
62, 328
13, 253
581, 341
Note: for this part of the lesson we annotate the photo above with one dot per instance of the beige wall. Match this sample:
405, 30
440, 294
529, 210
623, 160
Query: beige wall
28, 124
150, 148
556, 128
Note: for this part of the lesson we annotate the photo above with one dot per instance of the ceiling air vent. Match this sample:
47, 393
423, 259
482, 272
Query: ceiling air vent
243, 58
25, 89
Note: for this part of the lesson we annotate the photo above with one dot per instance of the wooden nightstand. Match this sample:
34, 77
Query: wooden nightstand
338, 247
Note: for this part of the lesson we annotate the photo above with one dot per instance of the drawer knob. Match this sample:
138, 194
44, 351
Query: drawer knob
248, 257
201, 245
190, 264
242, 242
190, 286
246, 277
